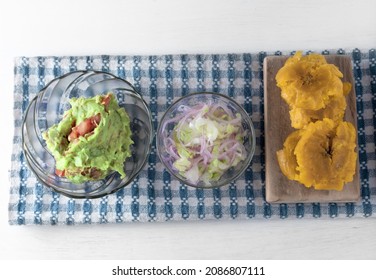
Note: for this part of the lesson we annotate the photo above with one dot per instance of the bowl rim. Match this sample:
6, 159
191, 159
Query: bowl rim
84, 72
247, 160
129, 178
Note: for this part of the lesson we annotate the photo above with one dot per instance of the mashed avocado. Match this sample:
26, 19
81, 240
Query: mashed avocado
92, 139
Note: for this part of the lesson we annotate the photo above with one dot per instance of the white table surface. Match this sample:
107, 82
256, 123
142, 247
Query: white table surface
165, 27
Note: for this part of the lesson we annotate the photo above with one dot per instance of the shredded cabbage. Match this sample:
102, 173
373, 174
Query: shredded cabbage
206, 141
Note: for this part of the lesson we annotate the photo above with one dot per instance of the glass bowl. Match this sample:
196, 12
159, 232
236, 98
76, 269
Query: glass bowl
48, 108
209, 147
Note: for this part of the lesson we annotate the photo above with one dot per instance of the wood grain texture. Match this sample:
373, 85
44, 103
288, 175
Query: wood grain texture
279, 189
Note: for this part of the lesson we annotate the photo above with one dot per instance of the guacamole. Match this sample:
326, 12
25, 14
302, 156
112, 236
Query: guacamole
92, 140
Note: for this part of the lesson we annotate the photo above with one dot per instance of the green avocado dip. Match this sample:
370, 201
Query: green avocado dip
92, 140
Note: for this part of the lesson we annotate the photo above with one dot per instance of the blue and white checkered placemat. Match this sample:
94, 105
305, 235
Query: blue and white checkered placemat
154, 195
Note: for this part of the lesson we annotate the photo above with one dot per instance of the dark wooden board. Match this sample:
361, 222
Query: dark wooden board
278, 188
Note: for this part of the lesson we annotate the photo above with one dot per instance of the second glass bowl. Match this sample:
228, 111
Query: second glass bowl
205, 152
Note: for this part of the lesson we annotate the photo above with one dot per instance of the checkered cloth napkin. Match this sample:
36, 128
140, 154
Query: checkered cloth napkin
155, 195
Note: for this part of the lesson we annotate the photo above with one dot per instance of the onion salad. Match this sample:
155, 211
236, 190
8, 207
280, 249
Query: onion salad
205, 142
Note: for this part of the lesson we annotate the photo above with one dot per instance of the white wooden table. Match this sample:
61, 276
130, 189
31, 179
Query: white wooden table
167, 26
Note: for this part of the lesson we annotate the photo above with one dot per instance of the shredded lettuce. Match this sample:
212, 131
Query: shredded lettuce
206, 141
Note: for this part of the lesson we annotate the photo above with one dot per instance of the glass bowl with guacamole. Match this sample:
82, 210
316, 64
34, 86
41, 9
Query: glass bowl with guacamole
87, 134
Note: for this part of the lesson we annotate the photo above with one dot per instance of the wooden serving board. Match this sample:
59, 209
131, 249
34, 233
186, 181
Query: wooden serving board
278, 188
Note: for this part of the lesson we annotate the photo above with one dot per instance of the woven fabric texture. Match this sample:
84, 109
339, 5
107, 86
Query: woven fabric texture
155, 195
